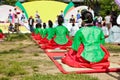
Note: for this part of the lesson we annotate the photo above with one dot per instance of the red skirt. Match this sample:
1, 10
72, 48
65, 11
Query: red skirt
37, 37
52, 44
43, 41
1, 36
32, 34
73, 59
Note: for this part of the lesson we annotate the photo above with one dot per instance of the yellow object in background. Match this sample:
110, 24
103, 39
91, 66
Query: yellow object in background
48, 10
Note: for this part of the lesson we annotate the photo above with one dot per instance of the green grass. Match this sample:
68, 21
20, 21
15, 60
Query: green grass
36, 54
4, 78
11, 51
35, 68
11, 68
16, 36
59, 77
30, 66
112, 48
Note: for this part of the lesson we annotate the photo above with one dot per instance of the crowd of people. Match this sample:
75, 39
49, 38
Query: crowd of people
87, 45
15, 18
108, 23
75, 22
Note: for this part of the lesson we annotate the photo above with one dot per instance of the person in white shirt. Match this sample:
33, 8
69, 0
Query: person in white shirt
73, 29
99, 20
31, 24
16, 22
36, 14
115, 32
105, 30
107, 20
23, 17
80, 23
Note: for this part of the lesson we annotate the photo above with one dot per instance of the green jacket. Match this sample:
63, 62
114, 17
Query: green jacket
91, 38
61, 32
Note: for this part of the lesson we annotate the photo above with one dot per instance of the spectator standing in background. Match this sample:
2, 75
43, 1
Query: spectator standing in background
31, 23
99, 20
16, 21
62, 14
72, 19
107, 20
78, 16
11, 28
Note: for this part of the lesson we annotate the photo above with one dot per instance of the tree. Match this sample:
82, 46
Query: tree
9, 2
108, 5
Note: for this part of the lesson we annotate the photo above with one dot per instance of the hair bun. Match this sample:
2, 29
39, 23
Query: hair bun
86, 16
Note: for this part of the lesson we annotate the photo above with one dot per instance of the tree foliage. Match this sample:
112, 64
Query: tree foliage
102, 6
9, 2
108, 5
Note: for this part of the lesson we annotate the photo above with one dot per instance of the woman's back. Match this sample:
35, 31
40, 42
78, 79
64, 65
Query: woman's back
50, 33
61, 32
87, 50
91, 37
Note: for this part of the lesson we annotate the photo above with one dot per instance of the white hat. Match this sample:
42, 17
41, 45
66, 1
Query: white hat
118, 20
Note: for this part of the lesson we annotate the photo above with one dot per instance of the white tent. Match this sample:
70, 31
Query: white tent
4, 12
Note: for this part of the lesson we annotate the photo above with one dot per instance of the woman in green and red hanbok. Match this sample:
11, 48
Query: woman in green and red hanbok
50, 31
87, 49
38, 32
1, 34
48, 35
44, 39
61, 36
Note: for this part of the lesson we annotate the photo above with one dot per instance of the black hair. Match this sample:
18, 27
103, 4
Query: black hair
15, 8
44, 25
11, 24
87, 16
10, 10
38, 25
50, 23
60, 20
73, 24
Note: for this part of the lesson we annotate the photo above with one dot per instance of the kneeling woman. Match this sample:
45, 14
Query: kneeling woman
37, 34
61, 36
1, 34
87, 49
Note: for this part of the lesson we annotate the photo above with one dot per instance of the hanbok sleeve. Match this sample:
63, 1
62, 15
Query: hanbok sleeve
1, 31
76, 41
102, 37
36, 31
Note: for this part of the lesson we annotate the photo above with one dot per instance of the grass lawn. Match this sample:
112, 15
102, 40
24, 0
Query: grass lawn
22, 59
